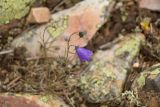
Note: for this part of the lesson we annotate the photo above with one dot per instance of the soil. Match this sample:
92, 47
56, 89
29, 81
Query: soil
49, 75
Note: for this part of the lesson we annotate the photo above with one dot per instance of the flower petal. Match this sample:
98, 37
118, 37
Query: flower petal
84, 54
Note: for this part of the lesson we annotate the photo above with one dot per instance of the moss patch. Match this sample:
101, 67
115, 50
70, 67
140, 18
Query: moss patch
13, 9
130, 47
141, 81
57, 27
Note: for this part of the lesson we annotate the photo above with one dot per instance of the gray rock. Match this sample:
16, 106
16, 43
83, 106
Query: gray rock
147, 86
103, 80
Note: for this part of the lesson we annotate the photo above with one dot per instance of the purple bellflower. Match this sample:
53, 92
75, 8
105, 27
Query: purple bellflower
84, 54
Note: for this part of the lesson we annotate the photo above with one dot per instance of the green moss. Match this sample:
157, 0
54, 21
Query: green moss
155, 72
129, 47
13, 9
155, 69
150, 73
141, 80
96, 83
57, 27
45, 99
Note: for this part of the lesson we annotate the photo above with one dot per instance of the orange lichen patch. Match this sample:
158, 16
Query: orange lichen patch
87, 21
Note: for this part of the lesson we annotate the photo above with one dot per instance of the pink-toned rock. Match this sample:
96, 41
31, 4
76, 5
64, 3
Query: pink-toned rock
39, 15
26, 100
87, 16
150, 4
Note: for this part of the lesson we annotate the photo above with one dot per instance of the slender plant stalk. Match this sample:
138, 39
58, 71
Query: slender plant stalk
68, 45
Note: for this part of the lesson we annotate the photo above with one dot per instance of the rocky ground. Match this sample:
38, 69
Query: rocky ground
131, 74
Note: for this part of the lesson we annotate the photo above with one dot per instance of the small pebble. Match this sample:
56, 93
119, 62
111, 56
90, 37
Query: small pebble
39, 15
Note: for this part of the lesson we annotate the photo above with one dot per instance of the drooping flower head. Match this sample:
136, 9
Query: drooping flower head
84, 54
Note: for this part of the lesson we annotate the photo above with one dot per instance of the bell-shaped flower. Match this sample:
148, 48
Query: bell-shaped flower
84, 54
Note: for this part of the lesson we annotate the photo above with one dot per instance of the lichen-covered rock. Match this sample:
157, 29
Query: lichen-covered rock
103, 80
147, 86
13, 9
28, 100
87, 16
